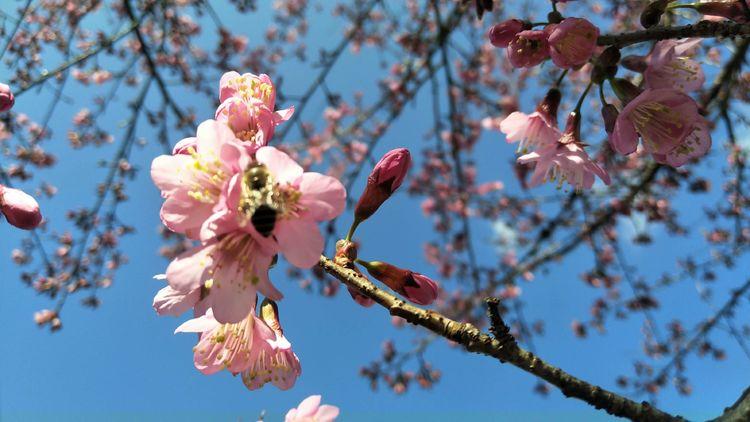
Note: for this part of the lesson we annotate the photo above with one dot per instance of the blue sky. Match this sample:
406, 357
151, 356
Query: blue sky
122, 362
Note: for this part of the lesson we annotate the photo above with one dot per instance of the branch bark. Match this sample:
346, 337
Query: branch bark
500, 348
702, 29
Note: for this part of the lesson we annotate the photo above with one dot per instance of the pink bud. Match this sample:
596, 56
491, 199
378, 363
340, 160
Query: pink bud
384, 179
730, 9
415, 287
503, 33
572, 42
19, 208
6, 98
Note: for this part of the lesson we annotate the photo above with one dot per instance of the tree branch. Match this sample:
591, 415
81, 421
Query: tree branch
502, 349
702, 29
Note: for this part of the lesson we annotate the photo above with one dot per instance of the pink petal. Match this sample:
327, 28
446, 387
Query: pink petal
185, 273
327, 413
183, 214
283, 115
232, 293
169, 301
170, 172
324, 197
212, 135
198, 325
624, 138
300, 241
309, 406
282, 167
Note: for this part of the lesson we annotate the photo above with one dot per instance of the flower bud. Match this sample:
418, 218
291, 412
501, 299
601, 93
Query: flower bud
624, 89
6, 98
503, 33
635, 63
415, 287
384, 179
651, 15
609, 115
729, 9
19, 208
550, 104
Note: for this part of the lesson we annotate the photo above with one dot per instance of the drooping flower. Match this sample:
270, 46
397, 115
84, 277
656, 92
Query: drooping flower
277, 364
310, 410
664, 118
19, 208
536, 129
383, 181
565, 160
248, 346
670, 66
6, 98
528, 48
502, 34
572, 42
247, 107
415, 287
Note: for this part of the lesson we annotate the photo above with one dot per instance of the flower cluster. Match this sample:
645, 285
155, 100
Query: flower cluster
19, 208
244, 203
570, 43
658, 111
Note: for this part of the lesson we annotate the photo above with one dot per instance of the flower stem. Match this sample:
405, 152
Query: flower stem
583, 96
560, 79
352, 228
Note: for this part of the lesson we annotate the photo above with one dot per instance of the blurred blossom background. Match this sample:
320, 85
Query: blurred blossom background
116, 360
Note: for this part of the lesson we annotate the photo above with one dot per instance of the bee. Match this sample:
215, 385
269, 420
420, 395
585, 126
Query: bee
264, 220
258, 199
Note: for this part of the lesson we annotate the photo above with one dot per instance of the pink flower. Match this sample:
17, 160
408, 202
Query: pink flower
502, 34
565, 161
415, 287
670, 66
19, 208
250, 121
664, 119
695, 145
194, 180
534, 130
280, 205
528, 49
310, 410
277, 364
255, 347
229, 271
247, 106
385, 178
6, 98
572, 42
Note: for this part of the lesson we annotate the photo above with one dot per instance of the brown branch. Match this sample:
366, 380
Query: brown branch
475, 341
702, 29
739, 411
145, 50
